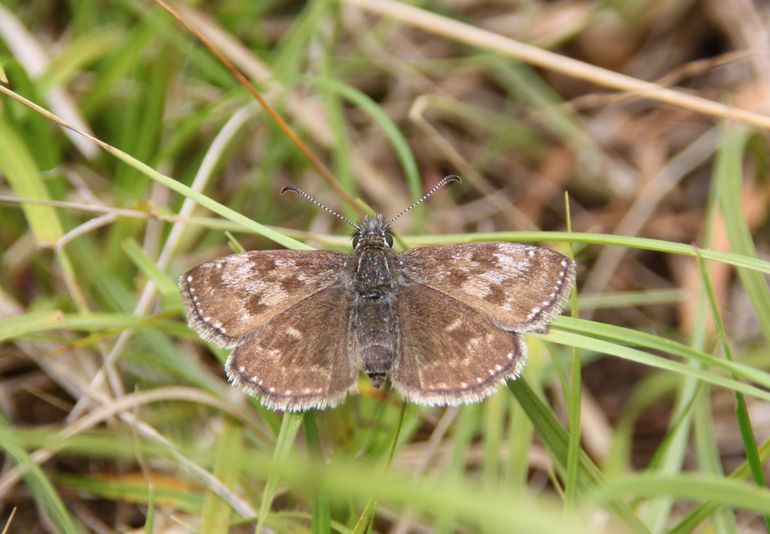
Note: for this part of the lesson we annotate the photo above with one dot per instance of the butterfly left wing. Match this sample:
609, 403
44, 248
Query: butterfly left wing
520, 287
303, 358
448, 353
228, 298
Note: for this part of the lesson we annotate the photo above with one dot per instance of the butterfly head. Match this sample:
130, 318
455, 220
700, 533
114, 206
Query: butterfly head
372, 232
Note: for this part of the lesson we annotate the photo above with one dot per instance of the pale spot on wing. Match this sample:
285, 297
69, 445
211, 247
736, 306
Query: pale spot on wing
476, 287
512, 265
272, 294
293, 332
454, 325
474, 343
285, 263
273, 354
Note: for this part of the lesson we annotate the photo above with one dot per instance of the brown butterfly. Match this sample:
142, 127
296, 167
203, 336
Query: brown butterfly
445, 323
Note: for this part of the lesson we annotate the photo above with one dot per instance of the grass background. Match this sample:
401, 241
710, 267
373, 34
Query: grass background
644, 409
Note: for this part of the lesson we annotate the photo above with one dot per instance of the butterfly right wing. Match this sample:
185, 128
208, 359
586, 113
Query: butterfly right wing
229, 298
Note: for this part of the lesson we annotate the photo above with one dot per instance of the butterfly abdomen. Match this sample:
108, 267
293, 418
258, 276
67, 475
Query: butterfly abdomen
374, 323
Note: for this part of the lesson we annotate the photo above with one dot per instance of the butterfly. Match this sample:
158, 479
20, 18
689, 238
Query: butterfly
444, 324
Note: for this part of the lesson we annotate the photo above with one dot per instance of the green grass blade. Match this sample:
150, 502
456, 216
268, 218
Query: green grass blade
367, 516
170, 183
19, 168
589, 238
734, 493
729, 175
635, 338
644, 358
283, 445
228, 451
741, 411
555, 439
388, 127
321, 509
42, 491
165, 285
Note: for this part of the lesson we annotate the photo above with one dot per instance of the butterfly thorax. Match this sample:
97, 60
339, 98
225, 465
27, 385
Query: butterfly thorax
374, 317
373, 277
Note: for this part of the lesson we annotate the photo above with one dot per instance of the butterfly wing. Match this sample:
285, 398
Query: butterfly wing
301, 358
449, 353
520, 287
230, 297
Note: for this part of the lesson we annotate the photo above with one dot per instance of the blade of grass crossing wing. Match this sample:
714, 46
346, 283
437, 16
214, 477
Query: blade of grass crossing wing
286, 436
574, 398
588, 238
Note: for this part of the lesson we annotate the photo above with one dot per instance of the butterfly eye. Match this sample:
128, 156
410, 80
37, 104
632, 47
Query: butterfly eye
389, 240
356, 238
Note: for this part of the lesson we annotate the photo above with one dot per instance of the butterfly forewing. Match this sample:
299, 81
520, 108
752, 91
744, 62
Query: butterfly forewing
520, 287
228, 298
301, 358
449, 353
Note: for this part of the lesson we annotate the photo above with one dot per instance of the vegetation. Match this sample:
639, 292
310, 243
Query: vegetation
645, 408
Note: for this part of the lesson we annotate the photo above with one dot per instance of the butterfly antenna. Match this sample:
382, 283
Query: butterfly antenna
441, 183
304, 195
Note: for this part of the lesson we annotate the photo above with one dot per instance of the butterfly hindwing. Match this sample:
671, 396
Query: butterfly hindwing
301, 358
449, 353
